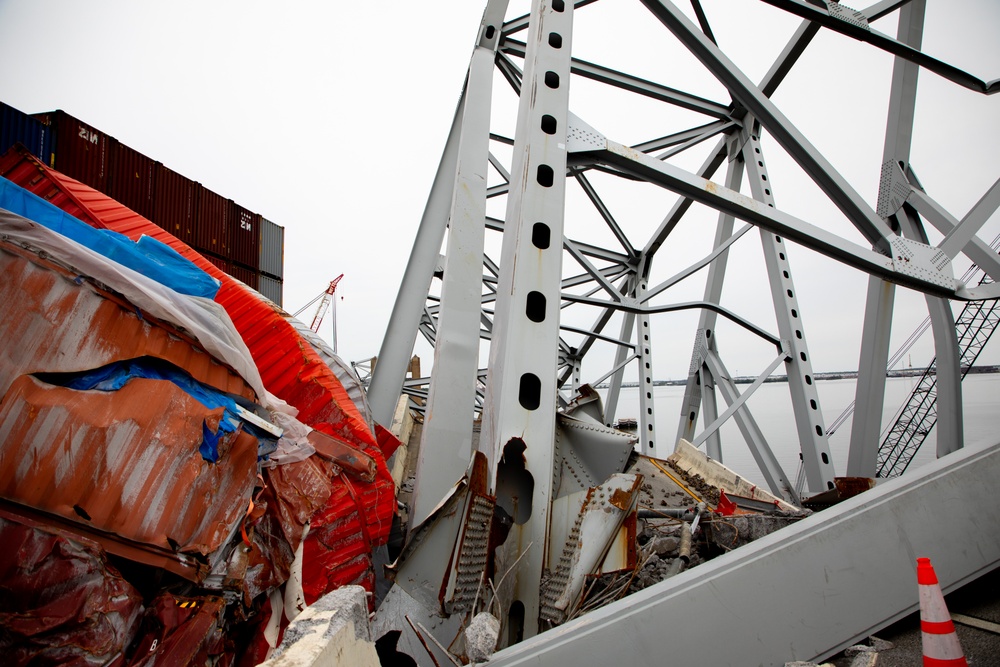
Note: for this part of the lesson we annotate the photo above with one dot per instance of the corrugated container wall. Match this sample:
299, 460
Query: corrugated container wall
211, 231
244, 236
81, 151
131, 177
17, 126
174, 204
271, 288
249, 277
272, 250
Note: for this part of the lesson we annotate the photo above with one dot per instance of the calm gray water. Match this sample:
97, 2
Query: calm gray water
771, 408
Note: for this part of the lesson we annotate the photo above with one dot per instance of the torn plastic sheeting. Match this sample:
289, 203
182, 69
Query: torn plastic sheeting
202, 319
147, 256
114, 376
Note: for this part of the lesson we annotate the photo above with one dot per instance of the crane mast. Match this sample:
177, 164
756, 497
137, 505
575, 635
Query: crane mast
321, 309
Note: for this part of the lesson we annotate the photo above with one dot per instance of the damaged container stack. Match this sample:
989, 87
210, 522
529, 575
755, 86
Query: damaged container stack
238, 241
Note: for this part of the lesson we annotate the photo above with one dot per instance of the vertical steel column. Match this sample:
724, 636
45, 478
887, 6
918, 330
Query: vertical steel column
446, 439
870, 391
643, 348
809, 423
520, 408
695, 394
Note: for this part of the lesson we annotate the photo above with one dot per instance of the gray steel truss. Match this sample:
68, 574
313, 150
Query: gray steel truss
560, 254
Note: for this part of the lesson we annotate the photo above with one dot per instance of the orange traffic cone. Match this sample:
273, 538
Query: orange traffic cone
941, 647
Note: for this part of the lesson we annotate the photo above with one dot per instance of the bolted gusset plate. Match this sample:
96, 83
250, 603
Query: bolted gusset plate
588, 453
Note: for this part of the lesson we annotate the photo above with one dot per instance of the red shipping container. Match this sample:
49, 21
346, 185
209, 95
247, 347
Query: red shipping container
245, 275
81, 151
244, 236
174, 203
211, 231
131, 178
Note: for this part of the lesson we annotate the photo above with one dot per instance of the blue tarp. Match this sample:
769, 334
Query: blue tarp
116, 375
149, 257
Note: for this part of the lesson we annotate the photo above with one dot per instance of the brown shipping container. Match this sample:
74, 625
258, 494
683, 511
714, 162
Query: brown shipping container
174, 203
211, 231
244, 274
271, 288
272, 249
131, 178
81, 151
219, 263
244, 236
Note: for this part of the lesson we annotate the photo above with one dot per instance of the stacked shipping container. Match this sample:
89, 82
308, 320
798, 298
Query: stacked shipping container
237, 240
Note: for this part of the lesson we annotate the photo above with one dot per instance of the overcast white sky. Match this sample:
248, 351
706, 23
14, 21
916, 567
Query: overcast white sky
329, 118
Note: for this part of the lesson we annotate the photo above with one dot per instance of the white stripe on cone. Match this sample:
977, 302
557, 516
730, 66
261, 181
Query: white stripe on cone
940, 643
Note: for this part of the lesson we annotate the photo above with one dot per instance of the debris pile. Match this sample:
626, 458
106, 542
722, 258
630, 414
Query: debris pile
189, 469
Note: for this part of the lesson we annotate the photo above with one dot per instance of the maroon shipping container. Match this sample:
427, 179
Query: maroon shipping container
211, 231
81, 151
244, 236
174, 203
245, 274
218, 262
131, 178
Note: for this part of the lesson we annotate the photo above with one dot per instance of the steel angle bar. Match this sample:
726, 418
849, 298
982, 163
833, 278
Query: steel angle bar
592, 334
602, 209
596, 274
738, 403
605, 254
610, 273
708, 259
785, 133
684, 137
857, 27
634, 84
795, 47
959, 237
694, 141
633, 306
768, 464
880, 9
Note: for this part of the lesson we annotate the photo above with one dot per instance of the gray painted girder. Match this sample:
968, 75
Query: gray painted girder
446, 437
870, 388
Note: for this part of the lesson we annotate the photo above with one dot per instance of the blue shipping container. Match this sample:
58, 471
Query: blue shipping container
16, 126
